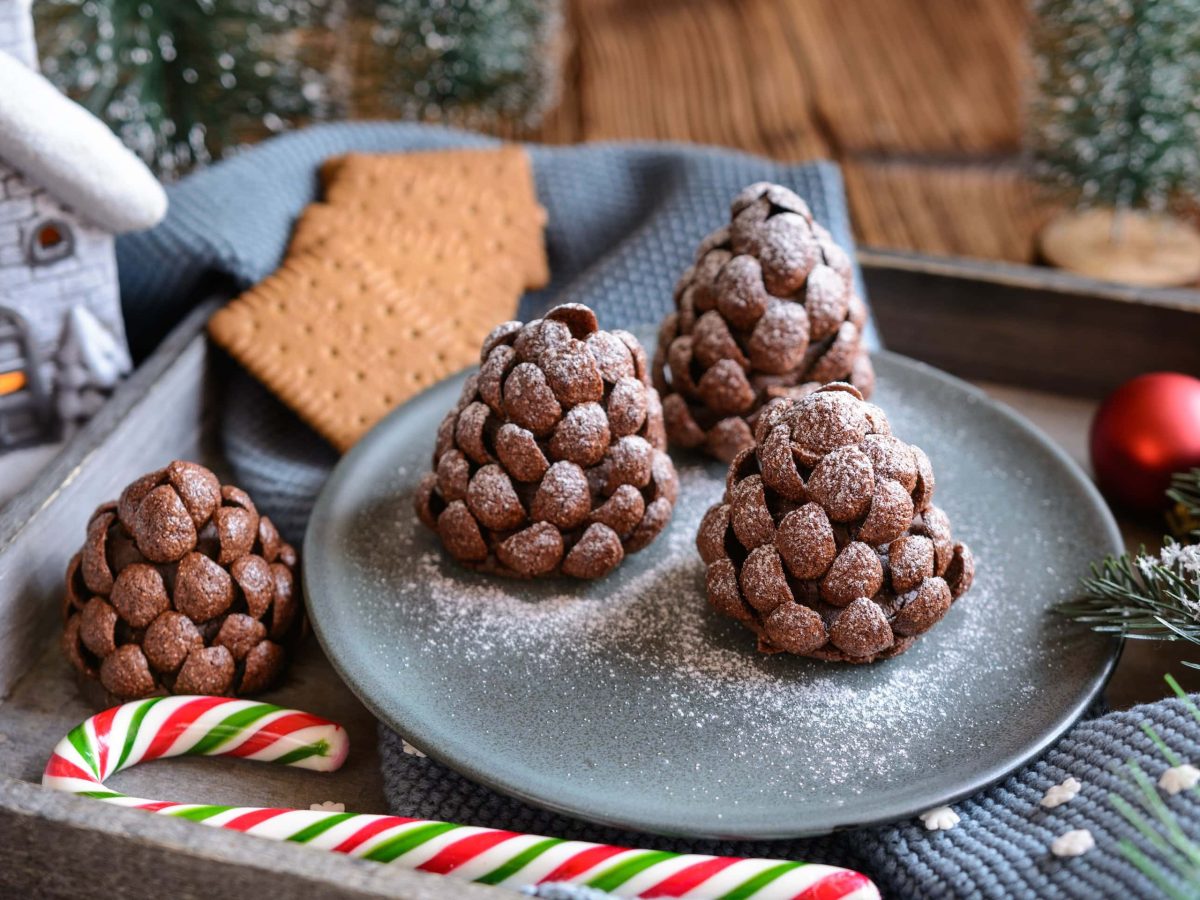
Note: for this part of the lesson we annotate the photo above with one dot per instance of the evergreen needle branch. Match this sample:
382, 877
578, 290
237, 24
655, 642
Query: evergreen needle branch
1169, 857
1151, 871
1143, 596
1159, 843
1188, 703
1170, 755
1152, 802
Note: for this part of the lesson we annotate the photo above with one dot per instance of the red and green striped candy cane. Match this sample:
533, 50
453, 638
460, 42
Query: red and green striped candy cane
216, 726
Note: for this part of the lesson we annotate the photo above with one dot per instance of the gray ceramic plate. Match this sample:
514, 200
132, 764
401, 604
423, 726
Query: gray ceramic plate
629, 702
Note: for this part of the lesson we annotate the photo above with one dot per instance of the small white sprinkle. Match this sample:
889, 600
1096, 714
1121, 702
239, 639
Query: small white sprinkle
1059, 794
1073, 843
941, 818
1179, 778
328, 806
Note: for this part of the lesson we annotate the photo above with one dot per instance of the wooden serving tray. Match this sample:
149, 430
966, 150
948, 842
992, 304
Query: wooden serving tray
57, 845
1029, 326
998, 322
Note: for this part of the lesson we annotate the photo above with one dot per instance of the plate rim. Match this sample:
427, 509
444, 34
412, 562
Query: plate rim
318, 521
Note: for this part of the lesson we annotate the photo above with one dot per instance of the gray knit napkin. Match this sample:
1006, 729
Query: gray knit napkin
999, 849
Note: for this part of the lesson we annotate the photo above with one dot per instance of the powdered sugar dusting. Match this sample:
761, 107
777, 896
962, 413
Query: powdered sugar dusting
632, 690
819, 723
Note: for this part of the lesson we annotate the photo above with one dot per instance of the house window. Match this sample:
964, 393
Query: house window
25, 412
49, 241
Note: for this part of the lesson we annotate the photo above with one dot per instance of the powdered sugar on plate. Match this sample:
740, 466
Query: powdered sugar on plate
628, 699
822, 723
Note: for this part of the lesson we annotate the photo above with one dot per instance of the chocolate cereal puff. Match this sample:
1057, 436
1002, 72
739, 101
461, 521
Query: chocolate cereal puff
553, 461
827, 543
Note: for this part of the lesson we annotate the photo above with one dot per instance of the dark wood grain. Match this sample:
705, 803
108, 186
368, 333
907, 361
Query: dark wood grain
1046, 330
920, 102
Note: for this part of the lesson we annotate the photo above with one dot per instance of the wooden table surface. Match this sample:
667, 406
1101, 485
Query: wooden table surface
919, 102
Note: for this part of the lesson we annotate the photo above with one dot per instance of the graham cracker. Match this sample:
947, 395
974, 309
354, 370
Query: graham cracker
486, 194
438, 258
340, 341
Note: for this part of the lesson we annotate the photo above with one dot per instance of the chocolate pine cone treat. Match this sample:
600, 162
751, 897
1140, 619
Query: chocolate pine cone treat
767, 310
181, 588
554, 459
827, 543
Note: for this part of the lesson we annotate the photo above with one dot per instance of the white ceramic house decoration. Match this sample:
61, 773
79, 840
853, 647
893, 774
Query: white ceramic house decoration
67, 187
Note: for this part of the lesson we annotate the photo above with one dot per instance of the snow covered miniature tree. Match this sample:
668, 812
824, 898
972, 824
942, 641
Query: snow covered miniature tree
1114, 125
462, 61
182, 82
91, 361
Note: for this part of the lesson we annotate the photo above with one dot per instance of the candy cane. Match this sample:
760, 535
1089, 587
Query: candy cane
215, 726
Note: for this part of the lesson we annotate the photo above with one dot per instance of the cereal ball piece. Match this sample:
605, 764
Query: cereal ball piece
182, 586
767, 309
552, 461
825, 543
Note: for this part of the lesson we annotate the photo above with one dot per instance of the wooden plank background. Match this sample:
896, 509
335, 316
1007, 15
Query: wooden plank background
920, 102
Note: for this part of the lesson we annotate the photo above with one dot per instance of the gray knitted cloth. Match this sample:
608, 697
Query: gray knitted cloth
624, 221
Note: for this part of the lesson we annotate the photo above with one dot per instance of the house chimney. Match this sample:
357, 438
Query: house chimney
16, 31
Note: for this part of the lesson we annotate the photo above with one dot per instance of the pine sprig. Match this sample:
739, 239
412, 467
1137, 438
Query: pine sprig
1173, 863
1144, 596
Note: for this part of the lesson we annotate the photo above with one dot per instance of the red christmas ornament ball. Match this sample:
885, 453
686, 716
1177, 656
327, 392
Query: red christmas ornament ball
1144, 432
